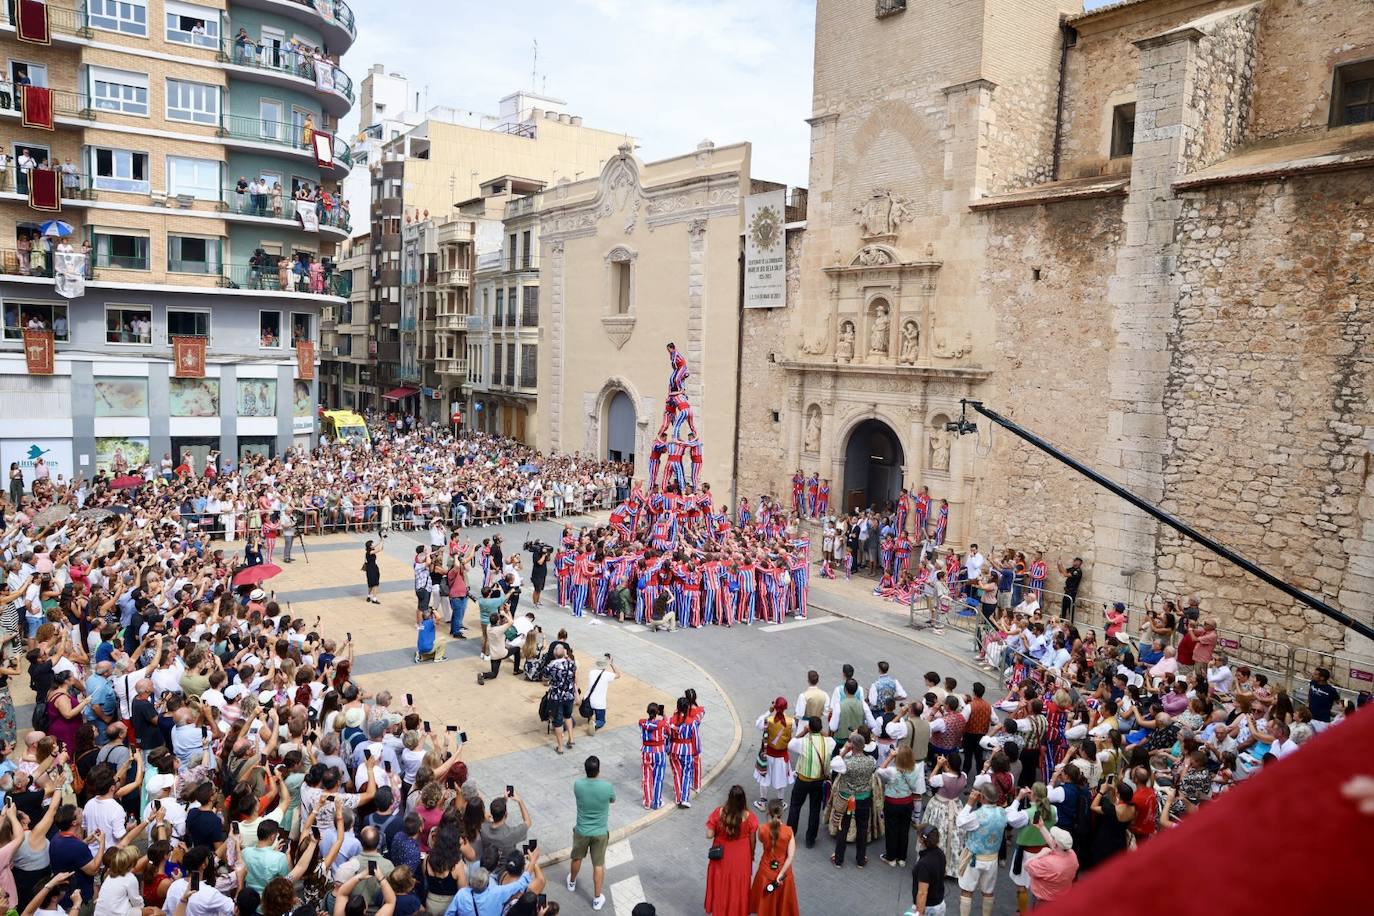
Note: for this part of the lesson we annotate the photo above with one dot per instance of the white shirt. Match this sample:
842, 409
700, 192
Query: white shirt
105, 815
602, 678
118, 896
973, 566
1220, 679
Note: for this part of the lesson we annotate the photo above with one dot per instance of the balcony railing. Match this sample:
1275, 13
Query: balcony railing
278, 207
245, 276
280, 133
62, 20
234, 50
451, 366
457, 276
451, 322
335, 11
64, 102
477, 323
74, 185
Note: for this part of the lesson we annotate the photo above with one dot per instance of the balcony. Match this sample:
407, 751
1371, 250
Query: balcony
64, 23
456, 276
477, 323
288, 68
255, 133
244, 276
454, 232
451, 366
238, 207
334, 18
451, 322
65, 104
388, 351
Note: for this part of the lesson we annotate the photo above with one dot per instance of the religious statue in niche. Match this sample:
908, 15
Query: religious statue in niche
844, 347
811, 441
882, 213
880, 332
939, 446
911, 342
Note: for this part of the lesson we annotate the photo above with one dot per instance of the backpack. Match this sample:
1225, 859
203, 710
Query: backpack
40, 719
545, 708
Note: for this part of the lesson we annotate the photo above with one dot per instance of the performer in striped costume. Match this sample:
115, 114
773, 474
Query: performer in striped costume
798, 486
1038, 572
678, 372
903, 509
583, 571
562, 567
922, 511
601, 584
674, 473
690, 608
657, 450
901, 553
698, 713
941, 522
799, 566
813, 485
748, 592
653, 755
823, 499
695, 456
682, 732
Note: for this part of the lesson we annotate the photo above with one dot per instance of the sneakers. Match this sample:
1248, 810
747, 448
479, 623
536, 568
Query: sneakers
572, 884
759, 804
598, 902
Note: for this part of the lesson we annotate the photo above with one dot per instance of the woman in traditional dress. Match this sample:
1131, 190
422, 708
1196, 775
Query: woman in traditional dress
772, 770
948, 781
733, 829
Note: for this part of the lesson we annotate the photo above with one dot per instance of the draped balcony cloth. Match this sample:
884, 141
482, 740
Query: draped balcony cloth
189, 353
69, 274
324, 76
324, 149
33, 22
1284, 841
39, 352
36, 107
305, 360
45, 192
309, 218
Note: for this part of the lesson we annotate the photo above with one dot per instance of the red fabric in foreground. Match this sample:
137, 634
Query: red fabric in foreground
37, 107
33, 22
43, 190
1285, 841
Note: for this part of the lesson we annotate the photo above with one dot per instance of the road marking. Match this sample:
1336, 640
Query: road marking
619, 854
634, 628
626, 895
794, 624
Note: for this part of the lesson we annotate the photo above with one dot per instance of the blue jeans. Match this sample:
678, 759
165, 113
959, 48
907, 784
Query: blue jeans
458, 607
600, 717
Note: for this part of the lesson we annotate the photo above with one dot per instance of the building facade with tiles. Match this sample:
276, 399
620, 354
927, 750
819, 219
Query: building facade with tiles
156, 109
1142, 231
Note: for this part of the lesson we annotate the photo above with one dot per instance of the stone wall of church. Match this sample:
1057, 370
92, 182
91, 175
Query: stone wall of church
1270, 400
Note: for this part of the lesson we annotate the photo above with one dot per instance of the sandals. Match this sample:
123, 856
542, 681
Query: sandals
558, 749
833, 862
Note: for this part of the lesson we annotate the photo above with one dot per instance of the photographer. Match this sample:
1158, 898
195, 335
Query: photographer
495, 618
540, 554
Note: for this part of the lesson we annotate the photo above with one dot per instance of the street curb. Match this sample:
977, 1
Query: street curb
621, 833
941, 650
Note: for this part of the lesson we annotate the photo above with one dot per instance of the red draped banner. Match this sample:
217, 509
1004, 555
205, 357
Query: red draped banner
189, 353
44, 190
36, 107
305, 360
39, 352
33, 22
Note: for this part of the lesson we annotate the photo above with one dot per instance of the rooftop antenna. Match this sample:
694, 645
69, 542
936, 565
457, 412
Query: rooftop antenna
534, 66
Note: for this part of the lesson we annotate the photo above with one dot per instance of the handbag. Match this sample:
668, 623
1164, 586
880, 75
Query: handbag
715, 853
584, 709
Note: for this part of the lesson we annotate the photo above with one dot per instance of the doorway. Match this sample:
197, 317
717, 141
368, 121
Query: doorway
620, 428
873, 460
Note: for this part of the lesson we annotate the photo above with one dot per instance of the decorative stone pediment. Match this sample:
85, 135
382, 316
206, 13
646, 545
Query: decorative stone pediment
618, 328
875, 256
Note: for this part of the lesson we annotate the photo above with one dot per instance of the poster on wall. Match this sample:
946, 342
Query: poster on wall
300, 400
257, 397
193, 397
121, 397
765, 247
118, 454
56, 454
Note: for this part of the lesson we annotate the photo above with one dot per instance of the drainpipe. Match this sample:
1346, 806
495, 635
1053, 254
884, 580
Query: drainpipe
1068, 37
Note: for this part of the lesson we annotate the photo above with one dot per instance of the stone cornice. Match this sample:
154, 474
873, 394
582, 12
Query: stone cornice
949, 373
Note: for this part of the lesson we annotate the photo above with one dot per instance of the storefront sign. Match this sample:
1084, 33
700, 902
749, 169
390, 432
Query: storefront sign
56, 454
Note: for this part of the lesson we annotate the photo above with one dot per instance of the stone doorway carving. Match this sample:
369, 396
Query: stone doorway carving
873, 463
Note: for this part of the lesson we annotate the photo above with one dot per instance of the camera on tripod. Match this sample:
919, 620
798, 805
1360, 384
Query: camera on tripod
536, 547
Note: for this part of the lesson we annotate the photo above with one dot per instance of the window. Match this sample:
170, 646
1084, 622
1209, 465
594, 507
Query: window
187, 323
127, 16
270, 113
192, 25
122, 91
120, 249
620, 286
530, 314
500, 310
128, 325
511, 256
198, 178
300, 328
529, 366
269, 329
510, 365
120, 170
1123, 129
511, 315
525, 254
35, 316
189, 254
496, 352
1352, 94
194, 102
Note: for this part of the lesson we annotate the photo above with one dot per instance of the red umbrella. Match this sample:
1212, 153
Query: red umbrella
127, 482
256, 575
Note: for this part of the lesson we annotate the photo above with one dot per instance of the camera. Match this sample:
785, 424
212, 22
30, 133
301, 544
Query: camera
536, 547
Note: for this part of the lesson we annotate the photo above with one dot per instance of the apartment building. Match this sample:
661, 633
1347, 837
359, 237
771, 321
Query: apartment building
190, 152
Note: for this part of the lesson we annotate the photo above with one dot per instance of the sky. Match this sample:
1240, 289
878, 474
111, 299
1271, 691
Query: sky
669, 73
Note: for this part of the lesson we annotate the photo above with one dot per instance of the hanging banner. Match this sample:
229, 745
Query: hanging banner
189, 353
33, 22
39, 352
44, 193
69, 274
36, 109
307, 214
324, 149
305, 359
765, 247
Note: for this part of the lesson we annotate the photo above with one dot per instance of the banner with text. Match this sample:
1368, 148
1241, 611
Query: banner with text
765, 250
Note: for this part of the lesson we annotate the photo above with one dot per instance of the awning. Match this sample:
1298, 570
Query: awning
397, 394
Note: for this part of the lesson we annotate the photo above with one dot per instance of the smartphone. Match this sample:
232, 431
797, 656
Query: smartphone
510, 791
204, 732
532, 845
386, 764
233, 826
541, 900
451, 728
195, 881
262, 759
315, 832
367, 753
426, 723
329, 798
371, 867
157, 804
349, 636
410, 700
463, 737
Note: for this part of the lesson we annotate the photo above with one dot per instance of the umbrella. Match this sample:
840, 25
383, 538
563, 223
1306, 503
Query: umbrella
528, 469
85, 514
51, 515
55, 227
127, 482
256, 575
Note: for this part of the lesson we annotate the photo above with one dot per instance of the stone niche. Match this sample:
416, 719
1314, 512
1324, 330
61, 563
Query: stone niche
879, 310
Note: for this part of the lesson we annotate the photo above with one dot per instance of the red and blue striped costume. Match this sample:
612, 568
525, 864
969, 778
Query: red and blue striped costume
901, 553
689, 610
601, 586
584, 569
674, 473
798, 485
682, 754
1038, 571
657, 450
922, 512
774, 595
678, 371
695, 455
713, 588
823, 500
885, 554
698, 713
562, 567
941, 523
903, 510
748, 591
799, 565
620, 520
664, 531
653, 760
813, 484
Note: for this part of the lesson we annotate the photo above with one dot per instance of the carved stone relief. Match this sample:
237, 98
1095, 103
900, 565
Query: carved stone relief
844, 347
911, 343
879, 333
939, 442
883, 213
811, 441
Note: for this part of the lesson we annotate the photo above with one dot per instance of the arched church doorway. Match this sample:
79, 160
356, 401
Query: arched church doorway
873, 460
620, 428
